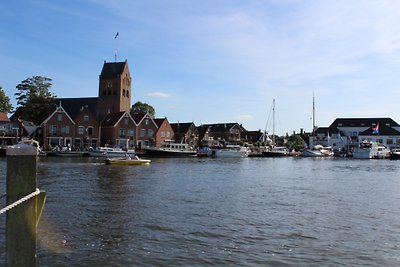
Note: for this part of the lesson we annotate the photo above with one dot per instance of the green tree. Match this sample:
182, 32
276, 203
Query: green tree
140, 107
5, 105
34, 98
294, 141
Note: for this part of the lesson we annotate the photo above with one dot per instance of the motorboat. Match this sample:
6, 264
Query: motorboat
126, 161
318, 151
394, 154
371, 150
275, 152
111, 152
170, 149
204, 151
231, 151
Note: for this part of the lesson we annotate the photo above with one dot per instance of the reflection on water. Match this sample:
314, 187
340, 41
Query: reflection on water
237, 212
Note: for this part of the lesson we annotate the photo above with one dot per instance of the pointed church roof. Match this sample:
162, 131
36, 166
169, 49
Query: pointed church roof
112, 70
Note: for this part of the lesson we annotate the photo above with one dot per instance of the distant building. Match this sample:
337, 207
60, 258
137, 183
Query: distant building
223, 133
186, 133
164, 131
7, 134
350, 132
93, 121
145, 130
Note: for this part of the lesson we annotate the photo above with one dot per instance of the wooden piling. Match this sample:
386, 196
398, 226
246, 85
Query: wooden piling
21, 220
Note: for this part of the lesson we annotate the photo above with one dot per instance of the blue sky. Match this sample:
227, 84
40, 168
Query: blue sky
215, 61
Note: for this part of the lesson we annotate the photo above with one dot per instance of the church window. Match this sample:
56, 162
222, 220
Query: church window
114, 92
123, 92
127, 93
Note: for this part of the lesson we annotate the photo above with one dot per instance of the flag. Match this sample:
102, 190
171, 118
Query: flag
375, 130
116, 35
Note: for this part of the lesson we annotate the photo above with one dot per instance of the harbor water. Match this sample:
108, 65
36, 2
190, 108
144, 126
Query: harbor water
217, 212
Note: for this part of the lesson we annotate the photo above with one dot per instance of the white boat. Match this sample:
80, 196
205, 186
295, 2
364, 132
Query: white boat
126, 161
371, 150
111, 152
170, 149
394, 154
231, 151
318, 151
275, 152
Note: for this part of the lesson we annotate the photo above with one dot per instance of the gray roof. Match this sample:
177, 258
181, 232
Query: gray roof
362, 122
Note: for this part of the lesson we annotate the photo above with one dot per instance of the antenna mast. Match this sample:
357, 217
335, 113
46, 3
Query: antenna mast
115, 54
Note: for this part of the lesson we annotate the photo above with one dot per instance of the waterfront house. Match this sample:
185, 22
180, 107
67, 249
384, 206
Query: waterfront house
58, 129
346, 133
186, 133
118, 130
164, 131
356, 130
385, 135
7, 134
253, 136
224, 133
145, 130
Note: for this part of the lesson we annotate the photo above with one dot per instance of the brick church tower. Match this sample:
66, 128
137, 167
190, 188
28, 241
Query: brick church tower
114, 88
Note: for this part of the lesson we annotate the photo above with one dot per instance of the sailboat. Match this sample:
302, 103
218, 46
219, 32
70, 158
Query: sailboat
275, 151
317, 150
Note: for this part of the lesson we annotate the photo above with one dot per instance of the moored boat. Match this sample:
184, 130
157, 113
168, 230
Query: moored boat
318, 151
204, 151
394, 154
110, 152
231, 151
126, 161
276, 152
170, 149
371, 150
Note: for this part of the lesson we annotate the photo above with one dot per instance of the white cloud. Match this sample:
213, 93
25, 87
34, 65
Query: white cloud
159, 95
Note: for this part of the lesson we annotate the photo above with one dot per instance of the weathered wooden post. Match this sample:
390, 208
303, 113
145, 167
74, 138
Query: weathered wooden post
21, 220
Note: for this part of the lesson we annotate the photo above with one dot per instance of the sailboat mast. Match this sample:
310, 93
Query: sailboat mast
273, 121
313, 109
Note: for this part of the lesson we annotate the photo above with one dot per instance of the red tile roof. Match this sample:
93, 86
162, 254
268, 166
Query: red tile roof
3, 117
